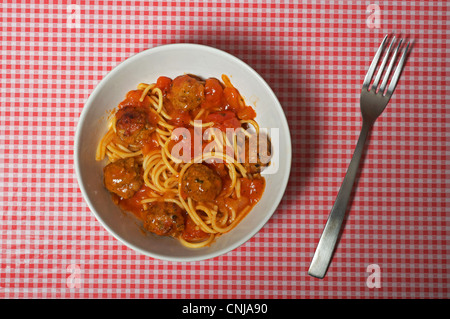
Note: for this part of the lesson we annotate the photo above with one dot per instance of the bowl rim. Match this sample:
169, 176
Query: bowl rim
97, 90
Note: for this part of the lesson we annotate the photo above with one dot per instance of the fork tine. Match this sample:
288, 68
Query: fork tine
383, 64
373, 65
397, 72
391, 65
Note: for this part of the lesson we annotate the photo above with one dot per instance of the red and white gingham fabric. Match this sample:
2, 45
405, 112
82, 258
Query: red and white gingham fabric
314, 55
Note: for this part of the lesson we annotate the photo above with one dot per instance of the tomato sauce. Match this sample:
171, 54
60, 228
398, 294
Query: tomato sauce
252, 189
150, 145
223, 120
179, 118
133, 204
133, 98
214, 98
163, 83
191, 231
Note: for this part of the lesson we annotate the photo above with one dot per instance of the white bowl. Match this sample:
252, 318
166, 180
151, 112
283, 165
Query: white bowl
172, 60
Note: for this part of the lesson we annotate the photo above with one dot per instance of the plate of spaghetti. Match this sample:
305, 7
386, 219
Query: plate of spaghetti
177, 152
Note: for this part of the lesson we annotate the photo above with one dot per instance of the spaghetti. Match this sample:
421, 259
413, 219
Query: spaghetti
181, 156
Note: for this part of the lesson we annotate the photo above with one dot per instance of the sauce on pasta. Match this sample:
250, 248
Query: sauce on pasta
184, 156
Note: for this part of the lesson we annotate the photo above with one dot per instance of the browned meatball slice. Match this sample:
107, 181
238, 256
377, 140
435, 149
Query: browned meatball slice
133, 125
201, 183
123, 177
186, 93
164, 219
258, 150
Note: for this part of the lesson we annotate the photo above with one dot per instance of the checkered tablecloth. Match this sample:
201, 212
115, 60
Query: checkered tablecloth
314, 55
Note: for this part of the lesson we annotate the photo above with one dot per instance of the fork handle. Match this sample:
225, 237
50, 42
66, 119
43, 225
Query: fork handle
325, 248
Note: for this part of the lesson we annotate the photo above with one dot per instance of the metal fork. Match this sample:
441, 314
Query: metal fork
372, 103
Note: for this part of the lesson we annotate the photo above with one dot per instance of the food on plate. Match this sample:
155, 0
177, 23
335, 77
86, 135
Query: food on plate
185, 156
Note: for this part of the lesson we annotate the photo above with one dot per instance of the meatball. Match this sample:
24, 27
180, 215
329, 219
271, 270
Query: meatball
164, 219
201, 183
123, 177
186, 93
133, 126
